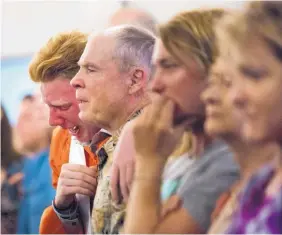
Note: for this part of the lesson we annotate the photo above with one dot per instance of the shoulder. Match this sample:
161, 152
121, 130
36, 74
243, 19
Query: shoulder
213, 173
257, 183
216, 160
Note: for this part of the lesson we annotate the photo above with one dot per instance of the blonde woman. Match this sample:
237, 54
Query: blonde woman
221, 122
182, 57
251, 42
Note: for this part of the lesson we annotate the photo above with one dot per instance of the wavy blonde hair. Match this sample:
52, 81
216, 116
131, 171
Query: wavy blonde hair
58, 57
191, 34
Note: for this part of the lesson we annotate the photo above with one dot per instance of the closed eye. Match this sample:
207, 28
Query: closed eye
65, 107
61, 107
90, 69
253, 73
168, 65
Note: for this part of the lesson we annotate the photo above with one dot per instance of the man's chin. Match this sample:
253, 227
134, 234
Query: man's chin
82, 137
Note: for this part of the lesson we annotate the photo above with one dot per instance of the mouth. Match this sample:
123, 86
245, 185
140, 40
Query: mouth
81, 100
213, 114
74, 130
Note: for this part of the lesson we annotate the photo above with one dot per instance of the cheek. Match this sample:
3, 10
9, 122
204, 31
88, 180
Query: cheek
72, 115
262, 98
177, 84
273, 110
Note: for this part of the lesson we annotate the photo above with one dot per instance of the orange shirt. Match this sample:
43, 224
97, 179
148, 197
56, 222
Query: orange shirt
59, 155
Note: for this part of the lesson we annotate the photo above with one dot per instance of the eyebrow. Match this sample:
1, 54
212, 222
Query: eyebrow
163, 61
88, 64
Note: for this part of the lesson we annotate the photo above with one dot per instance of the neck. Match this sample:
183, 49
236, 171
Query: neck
279, 157
132, 107
199, 142
251, 157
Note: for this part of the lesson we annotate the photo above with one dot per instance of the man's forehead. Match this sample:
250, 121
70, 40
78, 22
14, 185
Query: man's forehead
98, 48
100, 39
56, 100
58, 95
57, 86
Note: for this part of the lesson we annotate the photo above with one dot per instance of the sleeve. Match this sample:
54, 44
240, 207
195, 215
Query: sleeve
48, 218
208, 182
60, 221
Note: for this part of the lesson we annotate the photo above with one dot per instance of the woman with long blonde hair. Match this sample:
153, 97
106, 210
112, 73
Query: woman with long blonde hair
183, 55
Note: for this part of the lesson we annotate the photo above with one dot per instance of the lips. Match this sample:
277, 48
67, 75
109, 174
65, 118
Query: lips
80, 99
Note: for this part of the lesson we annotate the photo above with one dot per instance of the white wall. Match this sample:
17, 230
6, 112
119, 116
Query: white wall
26, 25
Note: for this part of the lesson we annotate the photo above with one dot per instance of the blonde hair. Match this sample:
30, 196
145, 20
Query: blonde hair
58, 57
262, 19
192, 34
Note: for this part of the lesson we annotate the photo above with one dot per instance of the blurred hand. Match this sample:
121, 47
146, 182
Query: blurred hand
154, 132
75, 178
3, 175
171, 204
123, 165
16, 178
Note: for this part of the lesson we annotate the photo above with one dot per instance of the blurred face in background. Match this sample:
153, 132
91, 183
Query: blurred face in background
257, 90
182, 83
221, 120
32, 130
59, 95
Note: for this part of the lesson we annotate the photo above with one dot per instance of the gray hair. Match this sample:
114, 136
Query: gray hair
134, 47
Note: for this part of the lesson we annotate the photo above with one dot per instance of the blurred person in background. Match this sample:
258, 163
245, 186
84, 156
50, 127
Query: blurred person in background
53, 66
34, 135
133, 16
11, 177
182, 57
224, 123
251, 44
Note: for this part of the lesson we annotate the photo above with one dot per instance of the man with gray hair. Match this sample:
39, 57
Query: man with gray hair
124, 164
115, 68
